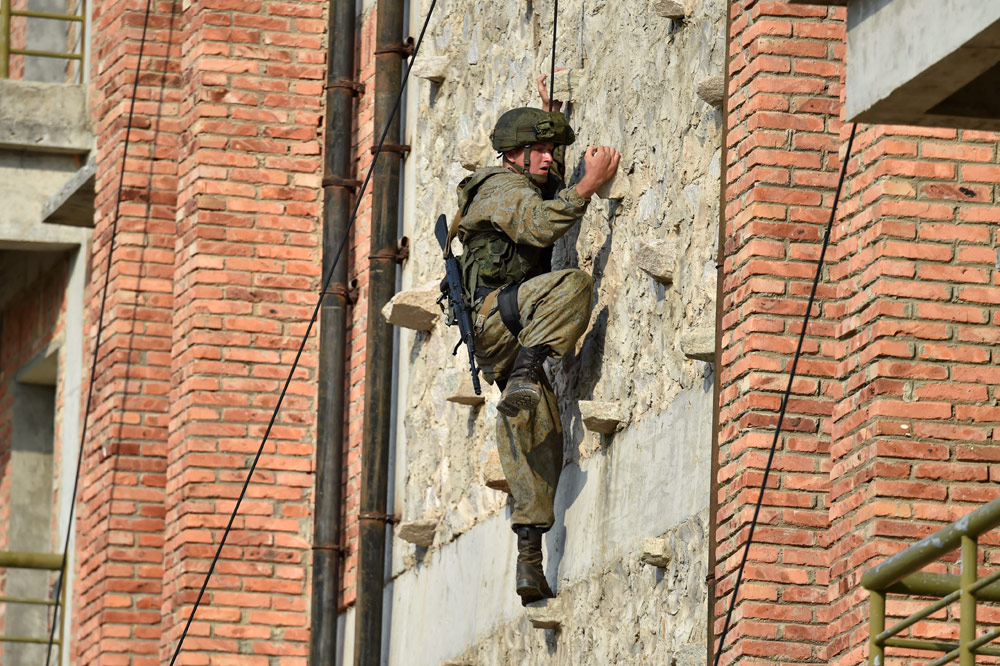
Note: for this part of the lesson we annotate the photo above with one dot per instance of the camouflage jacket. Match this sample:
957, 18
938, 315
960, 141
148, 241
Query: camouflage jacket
507, 226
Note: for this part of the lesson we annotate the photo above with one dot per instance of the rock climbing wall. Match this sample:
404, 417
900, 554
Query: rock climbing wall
636, 393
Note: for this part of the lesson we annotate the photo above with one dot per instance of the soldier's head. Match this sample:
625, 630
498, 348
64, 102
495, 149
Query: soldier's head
527, 137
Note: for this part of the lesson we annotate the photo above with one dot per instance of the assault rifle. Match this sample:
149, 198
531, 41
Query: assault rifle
459, 311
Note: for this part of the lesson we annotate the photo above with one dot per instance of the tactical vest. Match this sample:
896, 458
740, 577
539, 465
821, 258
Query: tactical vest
490, 258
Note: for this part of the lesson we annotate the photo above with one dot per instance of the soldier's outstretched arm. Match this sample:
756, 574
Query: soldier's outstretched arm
519, 211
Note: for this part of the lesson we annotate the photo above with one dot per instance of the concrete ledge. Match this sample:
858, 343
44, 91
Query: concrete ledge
73, 204
50, 117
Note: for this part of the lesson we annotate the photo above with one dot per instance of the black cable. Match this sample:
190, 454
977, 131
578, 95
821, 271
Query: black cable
97, 345
305, 338
784, 399
552, 71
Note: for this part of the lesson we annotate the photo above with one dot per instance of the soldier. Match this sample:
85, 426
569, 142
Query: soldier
509, 218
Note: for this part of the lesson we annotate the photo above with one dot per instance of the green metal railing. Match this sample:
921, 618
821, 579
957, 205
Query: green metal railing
36, 561
901, 574
6, 51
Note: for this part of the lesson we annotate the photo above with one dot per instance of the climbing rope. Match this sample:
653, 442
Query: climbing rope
785, 398
326, 284
60, 581
552, 70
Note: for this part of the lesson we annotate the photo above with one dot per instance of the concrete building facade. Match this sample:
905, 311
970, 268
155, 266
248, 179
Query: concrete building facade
207, 197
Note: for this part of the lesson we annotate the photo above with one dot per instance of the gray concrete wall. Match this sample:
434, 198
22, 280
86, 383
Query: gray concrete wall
455, 599
906, 56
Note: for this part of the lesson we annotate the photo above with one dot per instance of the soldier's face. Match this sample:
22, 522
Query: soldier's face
541, 158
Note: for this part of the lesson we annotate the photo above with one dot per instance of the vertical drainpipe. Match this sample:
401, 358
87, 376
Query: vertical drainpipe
337, 186
720, 258
379, 338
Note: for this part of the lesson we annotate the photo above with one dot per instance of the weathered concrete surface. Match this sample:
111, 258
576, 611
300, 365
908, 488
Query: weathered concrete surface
44, 117
894, 78
604, 515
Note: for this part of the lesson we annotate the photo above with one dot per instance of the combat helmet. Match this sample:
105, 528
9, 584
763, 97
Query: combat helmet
521, 127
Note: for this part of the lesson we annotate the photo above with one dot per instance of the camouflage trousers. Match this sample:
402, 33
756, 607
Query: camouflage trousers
555, 311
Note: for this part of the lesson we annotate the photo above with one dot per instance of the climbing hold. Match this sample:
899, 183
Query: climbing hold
567, 84
603, 417
432, 68
699, 343
474, 153
465, 394
546, 614
617, 188
417, 532
671, 9
493, 472
656, 258
414, 308
712, 89
656, 552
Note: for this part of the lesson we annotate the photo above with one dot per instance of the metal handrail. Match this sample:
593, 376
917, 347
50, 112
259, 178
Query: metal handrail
901, 574
6, 51
36, 561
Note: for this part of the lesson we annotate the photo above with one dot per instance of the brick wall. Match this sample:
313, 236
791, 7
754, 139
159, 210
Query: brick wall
245, 283
890, 429
120, 509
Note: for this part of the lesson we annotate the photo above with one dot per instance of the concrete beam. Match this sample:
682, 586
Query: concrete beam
897, 75
73, 204
47, 117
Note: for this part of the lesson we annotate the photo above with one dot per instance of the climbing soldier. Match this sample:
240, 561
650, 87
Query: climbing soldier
509, 218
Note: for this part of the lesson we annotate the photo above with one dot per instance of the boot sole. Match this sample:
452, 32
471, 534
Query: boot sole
530, 592
517, 401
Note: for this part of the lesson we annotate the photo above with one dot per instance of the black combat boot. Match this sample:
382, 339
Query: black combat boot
529, 576
522, 390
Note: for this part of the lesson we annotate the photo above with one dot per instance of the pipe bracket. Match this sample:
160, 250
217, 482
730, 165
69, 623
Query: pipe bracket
399, 255
403, 148
356, 87
347, 183
380, 517
349, 294
333, 547
404, 48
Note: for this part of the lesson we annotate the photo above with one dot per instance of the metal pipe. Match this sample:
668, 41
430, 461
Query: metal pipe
337, 160
12, 559
930, 548
379, 339
967, 603
876, 625
4, 39
720, 276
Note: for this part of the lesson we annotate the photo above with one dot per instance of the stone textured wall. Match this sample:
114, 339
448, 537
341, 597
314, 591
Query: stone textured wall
638, 93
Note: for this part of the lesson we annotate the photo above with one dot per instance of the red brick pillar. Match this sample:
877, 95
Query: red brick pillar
120, 510
915, 429
781, 166
245, 285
